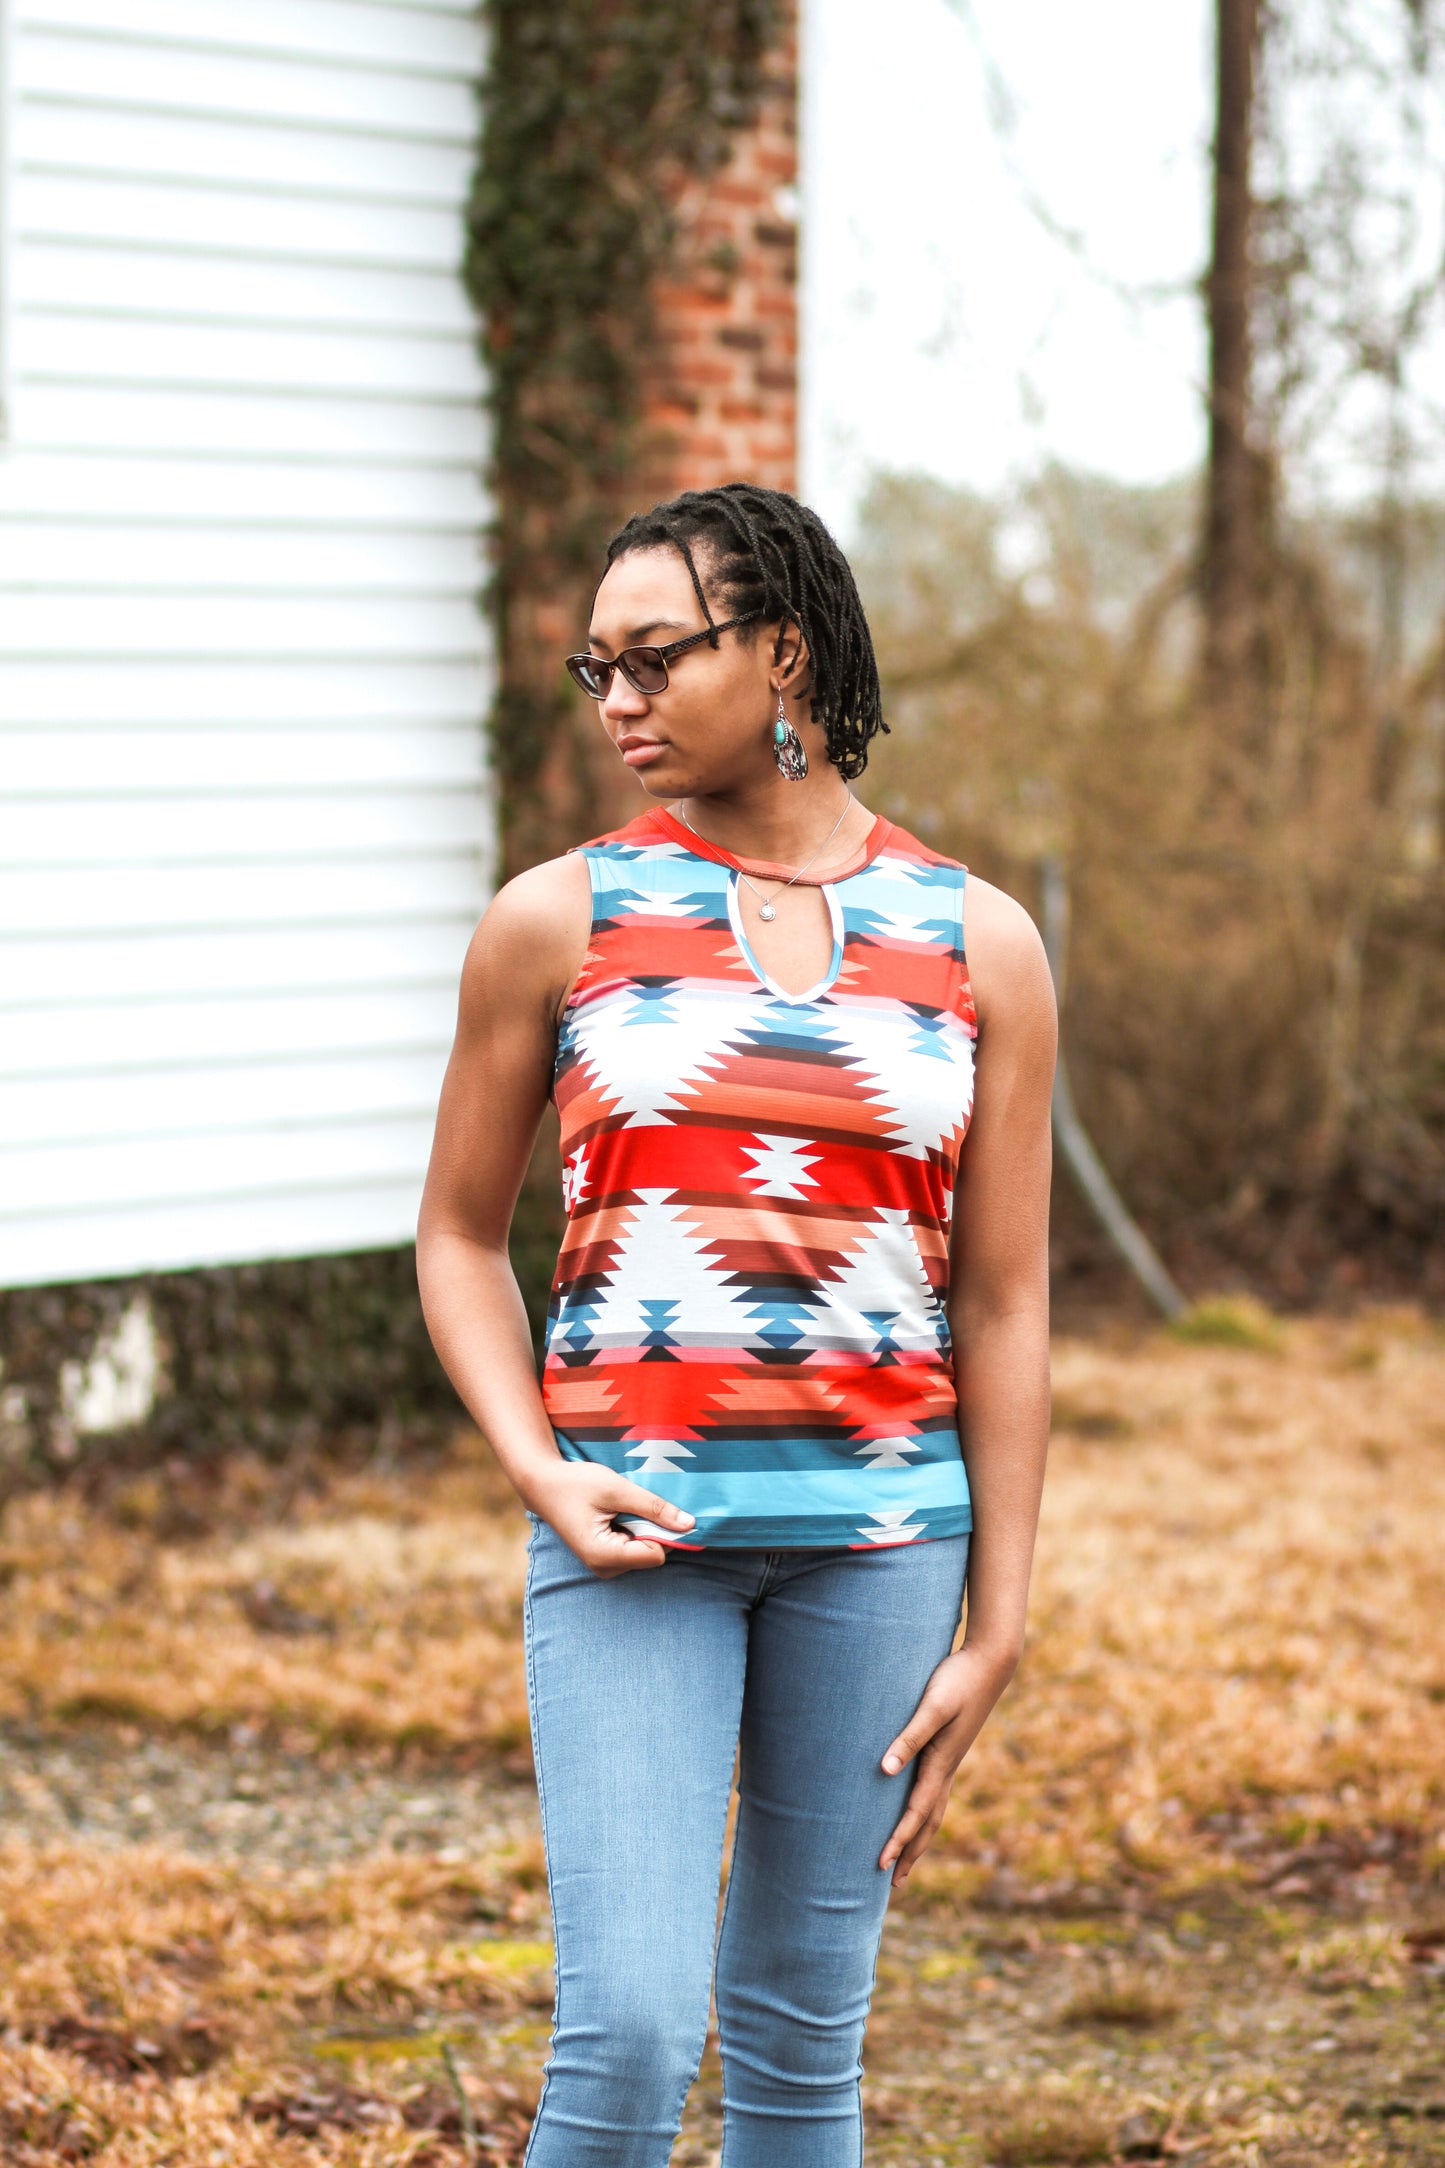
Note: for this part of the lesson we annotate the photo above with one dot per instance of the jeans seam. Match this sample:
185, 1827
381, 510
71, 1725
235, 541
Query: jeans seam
533, 1712
728, 1896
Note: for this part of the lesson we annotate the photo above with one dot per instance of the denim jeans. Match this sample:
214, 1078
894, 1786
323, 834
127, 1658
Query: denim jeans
641, 1691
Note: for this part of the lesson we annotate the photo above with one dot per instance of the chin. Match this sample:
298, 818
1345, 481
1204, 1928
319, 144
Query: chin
659, 780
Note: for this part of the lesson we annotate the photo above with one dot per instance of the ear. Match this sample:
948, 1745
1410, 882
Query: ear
791, 659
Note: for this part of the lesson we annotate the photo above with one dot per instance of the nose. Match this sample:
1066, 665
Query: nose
624, 703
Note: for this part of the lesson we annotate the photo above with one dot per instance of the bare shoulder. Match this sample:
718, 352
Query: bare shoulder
532, 938
549, 901
1007, 966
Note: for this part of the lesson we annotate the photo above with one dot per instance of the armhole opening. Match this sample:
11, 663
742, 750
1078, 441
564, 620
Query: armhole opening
589, 858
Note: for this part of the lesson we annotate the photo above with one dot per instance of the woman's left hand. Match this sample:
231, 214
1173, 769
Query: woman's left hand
955, 1705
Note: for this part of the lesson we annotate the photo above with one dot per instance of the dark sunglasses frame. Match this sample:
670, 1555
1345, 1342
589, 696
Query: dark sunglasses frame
581, 667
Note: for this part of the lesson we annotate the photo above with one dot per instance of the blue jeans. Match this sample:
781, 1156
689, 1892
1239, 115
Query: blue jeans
641, 1690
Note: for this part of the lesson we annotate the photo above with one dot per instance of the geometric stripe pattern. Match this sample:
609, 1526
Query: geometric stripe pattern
748, 1312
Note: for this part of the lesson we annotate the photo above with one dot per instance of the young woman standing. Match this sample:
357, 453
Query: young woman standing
796, 1378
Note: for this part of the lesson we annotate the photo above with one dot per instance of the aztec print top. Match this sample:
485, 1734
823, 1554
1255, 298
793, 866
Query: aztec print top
748, 1308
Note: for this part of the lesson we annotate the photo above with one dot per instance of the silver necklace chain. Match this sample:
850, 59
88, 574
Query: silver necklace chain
767, 907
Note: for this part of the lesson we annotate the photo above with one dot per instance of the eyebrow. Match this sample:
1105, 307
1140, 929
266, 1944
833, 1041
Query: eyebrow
640, 632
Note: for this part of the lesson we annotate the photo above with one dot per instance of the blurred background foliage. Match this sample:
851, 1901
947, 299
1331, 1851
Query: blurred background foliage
1219, 704
1255, 998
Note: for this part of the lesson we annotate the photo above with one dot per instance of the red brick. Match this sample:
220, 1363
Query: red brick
721, 394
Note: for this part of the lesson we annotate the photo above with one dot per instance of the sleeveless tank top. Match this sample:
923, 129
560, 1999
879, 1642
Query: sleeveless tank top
748, 1309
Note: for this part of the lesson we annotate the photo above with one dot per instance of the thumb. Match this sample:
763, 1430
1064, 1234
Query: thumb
632, 1498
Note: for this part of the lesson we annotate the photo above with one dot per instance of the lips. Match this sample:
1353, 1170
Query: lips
637, 751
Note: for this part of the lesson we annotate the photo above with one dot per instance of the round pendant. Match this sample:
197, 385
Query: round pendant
766, 910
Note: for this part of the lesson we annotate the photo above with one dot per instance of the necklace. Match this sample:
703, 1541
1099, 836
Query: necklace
767, 909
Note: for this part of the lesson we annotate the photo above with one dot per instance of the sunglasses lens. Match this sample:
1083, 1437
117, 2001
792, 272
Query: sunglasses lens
646, 668
592, 674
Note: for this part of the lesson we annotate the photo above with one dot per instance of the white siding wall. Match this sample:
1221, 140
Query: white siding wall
244, 823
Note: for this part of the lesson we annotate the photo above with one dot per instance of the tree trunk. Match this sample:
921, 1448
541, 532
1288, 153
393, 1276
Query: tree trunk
1231, 558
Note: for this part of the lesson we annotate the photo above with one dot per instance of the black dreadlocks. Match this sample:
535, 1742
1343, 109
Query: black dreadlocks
766, 552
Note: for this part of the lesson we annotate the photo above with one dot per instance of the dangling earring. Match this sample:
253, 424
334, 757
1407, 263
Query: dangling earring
788, 749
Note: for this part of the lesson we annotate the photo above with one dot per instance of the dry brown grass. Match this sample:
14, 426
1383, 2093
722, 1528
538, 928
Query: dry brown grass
1237, 1638
1037, 2134
1123, 1995
382, 1939
1233, 1688
382, 1611
145, 2008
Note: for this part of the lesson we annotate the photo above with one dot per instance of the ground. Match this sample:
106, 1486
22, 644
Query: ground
271, 1888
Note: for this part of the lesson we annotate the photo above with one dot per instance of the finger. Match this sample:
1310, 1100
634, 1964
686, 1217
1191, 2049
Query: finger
616, 1552
928, 1795
923, 1802
914, 1834
927, 1720
915, 1851
631, 1498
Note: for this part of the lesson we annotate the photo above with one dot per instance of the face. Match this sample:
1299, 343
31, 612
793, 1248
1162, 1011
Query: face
711, 729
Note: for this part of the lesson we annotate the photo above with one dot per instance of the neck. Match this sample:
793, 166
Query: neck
780, 822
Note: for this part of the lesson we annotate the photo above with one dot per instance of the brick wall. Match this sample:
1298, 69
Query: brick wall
722, 404
719, 404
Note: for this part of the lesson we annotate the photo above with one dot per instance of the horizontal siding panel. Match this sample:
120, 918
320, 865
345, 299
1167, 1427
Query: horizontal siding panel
62, 555
409, 38
223, 625
425, 887
57, 206
53, 134
37, 1250
199, 282
195, 1031
241, 1095
122, 692
97, 349
75, 971
116, 71
233, 1163
85, 487
120, 763
68, 418
99, 832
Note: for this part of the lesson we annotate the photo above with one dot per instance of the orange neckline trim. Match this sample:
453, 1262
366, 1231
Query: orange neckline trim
768, 869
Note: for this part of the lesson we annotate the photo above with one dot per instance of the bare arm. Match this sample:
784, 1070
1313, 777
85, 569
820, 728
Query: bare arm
521, 963
999, 1298
998, 1314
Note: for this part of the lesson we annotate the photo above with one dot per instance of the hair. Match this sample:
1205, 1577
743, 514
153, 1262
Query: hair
764, 551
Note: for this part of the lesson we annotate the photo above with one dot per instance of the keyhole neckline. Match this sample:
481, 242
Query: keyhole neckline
764, 869
765, 978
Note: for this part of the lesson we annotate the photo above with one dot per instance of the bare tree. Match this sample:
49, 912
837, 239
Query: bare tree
1231, 560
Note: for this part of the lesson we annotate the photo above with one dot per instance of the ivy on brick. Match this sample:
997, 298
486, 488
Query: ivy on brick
595, 116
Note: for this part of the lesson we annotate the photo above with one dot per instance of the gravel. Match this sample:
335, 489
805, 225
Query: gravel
244, 1801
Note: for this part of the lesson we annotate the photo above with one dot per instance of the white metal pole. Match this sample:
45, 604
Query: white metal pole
1089, 1171
8, 104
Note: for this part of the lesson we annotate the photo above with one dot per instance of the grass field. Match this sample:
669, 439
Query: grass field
271, 1891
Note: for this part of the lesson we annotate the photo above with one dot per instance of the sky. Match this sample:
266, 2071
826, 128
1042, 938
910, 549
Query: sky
1004, 210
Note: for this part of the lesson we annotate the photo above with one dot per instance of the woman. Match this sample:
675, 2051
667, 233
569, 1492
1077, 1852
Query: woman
797, 1348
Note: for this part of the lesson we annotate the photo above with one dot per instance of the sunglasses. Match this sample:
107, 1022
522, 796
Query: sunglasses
645, 668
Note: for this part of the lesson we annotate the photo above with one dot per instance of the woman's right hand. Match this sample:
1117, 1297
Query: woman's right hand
580, 1500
